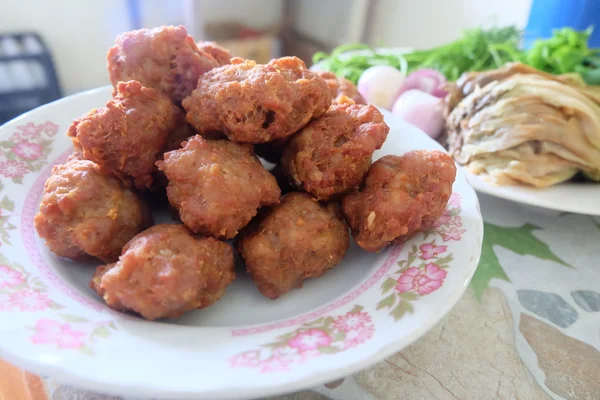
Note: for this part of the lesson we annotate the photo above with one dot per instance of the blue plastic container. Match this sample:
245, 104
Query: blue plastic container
546, 15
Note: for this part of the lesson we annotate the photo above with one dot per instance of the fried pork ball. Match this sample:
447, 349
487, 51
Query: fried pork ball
256, 103
332, 154
293, 241
87, 213
401, 196
216, 185
128, 135
164, 272
341, 87
221, 54
164, 58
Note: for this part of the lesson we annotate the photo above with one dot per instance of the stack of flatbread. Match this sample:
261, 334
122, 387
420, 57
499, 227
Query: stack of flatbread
517, 125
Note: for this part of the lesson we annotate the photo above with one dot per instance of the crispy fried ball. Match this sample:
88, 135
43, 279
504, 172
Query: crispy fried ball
341, 87
128, 135
295, 240
219, 53
86, 212
332, 154
217, 186
164, 58
256, 103
164, 272
401, 196
72, 133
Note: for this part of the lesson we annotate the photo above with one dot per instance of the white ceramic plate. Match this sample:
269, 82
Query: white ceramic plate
575, 197
244, 346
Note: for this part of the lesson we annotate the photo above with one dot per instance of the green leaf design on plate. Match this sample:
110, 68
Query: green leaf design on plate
356, 309
387, 302
401, 309
409, 296
55, 306
73, 318
85, 350
519, 240
7, 204
388, 284
101, 331
329, 350
339, 336
445, 260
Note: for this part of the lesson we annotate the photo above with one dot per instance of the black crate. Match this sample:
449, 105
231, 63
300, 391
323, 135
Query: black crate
17, 101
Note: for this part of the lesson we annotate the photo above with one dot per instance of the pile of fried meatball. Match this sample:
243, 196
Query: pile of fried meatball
185, 125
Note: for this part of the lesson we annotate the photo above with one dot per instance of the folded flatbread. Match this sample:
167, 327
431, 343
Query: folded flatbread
519, 125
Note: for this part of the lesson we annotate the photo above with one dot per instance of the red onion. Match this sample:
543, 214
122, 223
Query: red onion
426, 80
422, 110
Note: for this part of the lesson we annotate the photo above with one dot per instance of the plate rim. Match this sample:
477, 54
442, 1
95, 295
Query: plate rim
479, 184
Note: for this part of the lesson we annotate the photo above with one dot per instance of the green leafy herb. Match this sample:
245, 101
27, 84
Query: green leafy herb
567, 51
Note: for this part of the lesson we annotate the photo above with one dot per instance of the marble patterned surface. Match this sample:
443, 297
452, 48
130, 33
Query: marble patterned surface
528, 327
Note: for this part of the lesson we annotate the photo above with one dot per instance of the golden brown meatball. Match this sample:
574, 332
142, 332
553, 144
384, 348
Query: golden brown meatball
332, 154
401, 196
86, 212
295, 240
219, 53
216, 185
164, 272
341, 87
257, 103
128, 135
164, 58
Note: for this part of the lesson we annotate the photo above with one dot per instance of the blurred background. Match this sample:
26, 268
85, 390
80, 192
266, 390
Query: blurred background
50, 49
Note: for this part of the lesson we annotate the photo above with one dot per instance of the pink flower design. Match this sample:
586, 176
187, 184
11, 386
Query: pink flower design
13, 169
307, 355
455, 221
28, 150
453, 234
52, 332
5, 303
275, 364
422, 281
444, 220
29, 131
9, 277
430, 250
354, 338
351, 321
310, 339
48, 128
30, 300
454, 200
246, 359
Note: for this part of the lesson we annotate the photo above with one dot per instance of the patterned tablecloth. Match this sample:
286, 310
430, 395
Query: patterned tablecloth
528, 328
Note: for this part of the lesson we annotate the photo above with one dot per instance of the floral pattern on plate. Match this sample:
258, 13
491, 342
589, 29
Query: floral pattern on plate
26, 150
325, 335
71, 332
7, 206
21, 291
425, 269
